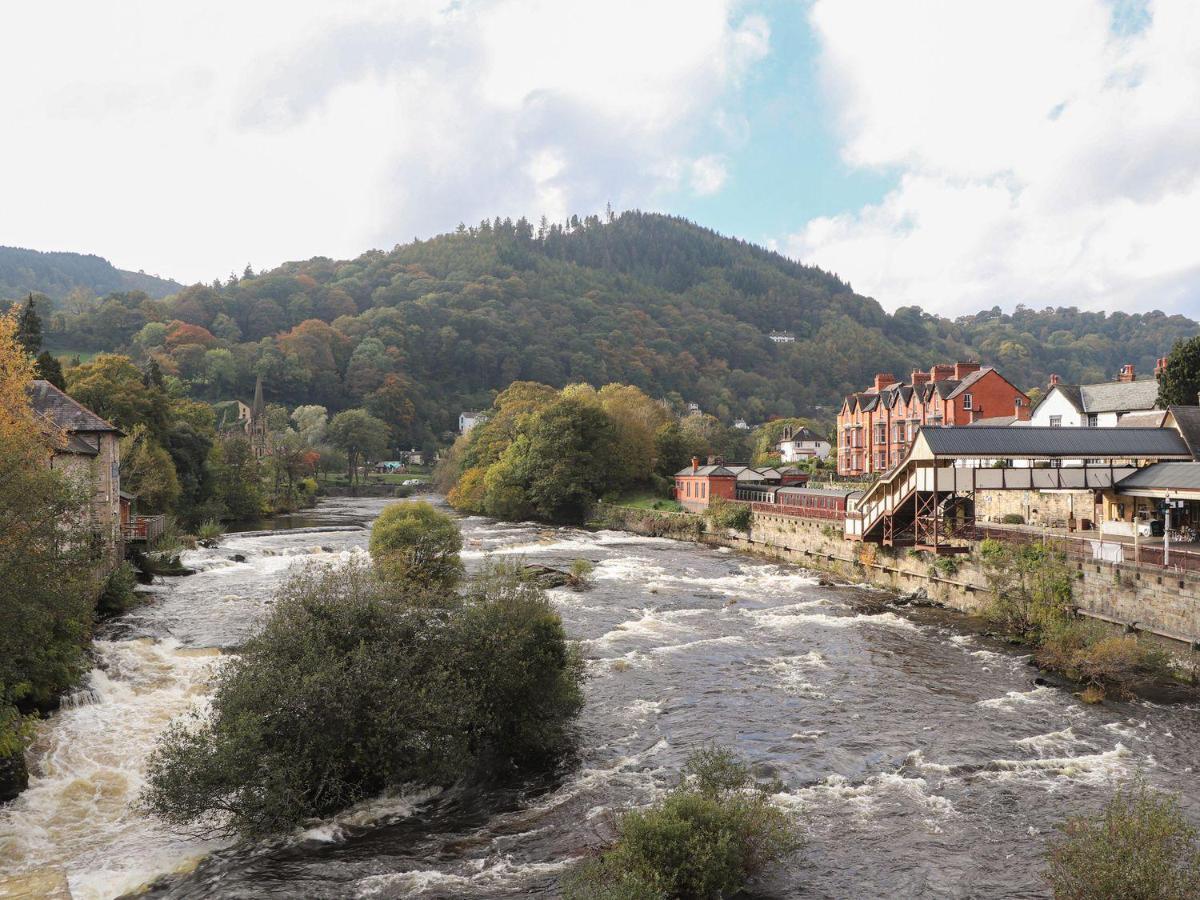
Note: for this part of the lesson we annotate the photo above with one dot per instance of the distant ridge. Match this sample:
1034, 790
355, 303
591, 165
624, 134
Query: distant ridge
57, 273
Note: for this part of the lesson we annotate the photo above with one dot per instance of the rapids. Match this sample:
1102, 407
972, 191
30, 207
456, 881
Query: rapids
923, 760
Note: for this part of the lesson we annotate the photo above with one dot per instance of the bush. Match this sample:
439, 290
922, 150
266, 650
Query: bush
415, 543
118, 595
581, 569
1104, 662
1012, 519
707, 838
209, 533
348, 692
1138, 846
722, 513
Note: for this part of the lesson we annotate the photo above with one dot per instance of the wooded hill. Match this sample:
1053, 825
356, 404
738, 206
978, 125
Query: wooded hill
56, 274
645, 299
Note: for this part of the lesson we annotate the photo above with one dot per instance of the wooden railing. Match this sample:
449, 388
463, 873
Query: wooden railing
144, 529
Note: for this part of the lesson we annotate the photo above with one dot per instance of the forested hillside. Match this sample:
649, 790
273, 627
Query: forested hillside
433, 326
57, 274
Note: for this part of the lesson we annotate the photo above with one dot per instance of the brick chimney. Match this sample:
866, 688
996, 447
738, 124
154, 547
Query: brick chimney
882, 380
1054, 379
1021, 408
963, 369
1126, 374
695, 463
1160, 367
941, 373
919, 377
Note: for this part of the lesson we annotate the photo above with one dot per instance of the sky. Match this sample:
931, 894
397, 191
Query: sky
954, 154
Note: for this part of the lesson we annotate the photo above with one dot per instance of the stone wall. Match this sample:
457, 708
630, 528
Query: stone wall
1034, 507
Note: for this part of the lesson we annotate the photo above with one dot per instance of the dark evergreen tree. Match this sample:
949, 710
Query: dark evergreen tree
51, 369
29, 328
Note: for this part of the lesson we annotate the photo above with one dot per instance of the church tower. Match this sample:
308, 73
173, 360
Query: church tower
256, 428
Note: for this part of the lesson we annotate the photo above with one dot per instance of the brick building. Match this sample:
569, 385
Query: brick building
875, 427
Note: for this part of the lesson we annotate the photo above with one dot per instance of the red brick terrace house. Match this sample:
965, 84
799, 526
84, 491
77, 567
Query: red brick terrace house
875, 427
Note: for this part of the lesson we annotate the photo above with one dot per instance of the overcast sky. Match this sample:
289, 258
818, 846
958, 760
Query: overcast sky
954, 154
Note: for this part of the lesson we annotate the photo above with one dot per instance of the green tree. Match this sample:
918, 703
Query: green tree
237, 479
1179, 384
147, 471
569, 460
113, 387
415, 542
360, 435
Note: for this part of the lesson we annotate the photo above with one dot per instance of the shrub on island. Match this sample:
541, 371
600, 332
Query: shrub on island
708, 837
360, 683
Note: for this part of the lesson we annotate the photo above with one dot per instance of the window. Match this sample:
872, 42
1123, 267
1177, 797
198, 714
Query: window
1093, 420
966, 401
1056, 421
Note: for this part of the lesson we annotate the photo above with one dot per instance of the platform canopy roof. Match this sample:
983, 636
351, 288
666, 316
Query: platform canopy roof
1030, 442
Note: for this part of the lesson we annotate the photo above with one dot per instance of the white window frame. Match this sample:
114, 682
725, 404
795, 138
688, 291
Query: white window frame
967, 401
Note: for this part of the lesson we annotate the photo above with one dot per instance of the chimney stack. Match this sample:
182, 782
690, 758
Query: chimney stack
1054, 379
1126, 374
1160, 367
882, 380
919, 377
1022, 410
963, 369
941, 373
695, 464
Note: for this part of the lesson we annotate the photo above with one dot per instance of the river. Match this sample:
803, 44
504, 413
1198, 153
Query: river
922, 759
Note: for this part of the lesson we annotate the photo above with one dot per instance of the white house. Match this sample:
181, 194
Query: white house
782, 337
468, 419
741, 425
1102, 405
801, 443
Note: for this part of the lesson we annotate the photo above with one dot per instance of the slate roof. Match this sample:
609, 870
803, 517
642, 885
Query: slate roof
988, 442
993, 421
706, 470
1181, 476
1187, 420
1119, 396
971, 378
67, 414
1151, 418
823, 492
80, 447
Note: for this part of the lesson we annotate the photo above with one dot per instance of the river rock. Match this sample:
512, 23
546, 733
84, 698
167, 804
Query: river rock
548, 577
14, 778
49, 883
914, 598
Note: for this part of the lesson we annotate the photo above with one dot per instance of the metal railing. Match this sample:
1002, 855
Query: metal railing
1094, 549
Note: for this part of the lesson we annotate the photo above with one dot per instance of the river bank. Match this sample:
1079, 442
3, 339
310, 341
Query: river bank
925, 761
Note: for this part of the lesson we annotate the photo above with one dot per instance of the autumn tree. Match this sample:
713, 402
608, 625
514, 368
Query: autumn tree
46, 569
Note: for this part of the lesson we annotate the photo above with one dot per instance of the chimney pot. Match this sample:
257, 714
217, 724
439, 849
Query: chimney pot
695, 463
1054, 379
1126, 374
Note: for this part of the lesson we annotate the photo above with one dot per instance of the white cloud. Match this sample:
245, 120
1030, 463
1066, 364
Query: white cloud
190, 139
708, 175
1041, 157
